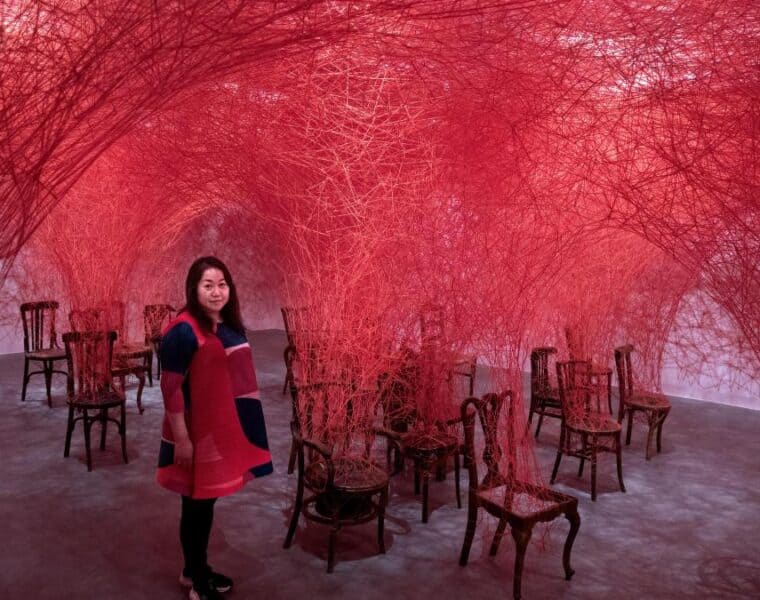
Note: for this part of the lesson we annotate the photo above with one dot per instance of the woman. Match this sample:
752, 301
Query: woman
214, 437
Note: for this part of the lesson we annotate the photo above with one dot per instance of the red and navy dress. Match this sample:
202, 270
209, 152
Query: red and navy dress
210, 378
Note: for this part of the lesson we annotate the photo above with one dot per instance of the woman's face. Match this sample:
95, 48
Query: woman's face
213, 292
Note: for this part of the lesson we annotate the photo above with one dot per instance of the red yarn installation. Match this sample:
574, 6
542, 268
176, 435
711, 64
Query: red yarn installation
518, 168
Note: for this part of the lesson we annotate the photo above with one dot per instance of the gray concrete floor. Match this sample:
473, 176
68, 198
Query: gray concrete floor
689, 526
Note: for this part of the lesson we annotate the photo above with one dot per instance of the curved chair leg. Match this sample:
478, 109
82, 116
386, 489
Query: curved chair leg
149, 367
540, 420
575, 524
630, 428
500, 528
522, 537
472, 522
140, 386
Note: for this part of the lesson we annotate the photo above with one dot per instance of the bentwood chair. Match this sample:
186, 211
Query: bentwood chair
655, 407
343, 484
90, 394
155, 317
519, 504
127, 359
584, 432
544, 397
40, 343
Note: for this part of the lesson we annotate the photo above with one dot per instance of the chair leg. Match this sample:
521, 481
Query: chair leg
456, 480
297, 505
331, 547
149, 367
469, 535
575, 524
522, 537
26, 379
593, 467
630, 428
292, 457
619, 460
381, 520
88, 451
47, 367
140, 386
425, 490
123, 432
69, 431
652, 422
540, 420
500, 529
103, 427
559, 454
659, 431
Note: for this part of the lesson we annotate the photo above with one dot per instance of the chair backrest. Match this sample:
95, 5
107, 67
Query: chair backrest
38, 320
540, 380
154, 318
397, 394
294, 320
576, 343
88, 319
624, 371
88, 354
487, 410
334, 414
573, 382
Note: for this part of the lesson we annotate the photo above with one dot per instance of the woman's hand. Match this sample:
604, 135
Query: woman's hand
183, 453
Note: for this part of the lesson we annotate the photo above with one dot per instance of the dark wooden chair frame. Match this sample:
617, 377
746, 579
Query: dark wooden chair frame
89, 403
333, 499
605, 438
553, 504
154, 316
36, 347
544, 399
655, 407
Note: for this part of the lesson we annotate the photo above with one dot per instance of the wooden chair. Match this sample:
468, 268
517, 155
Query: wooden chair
584, 432
599, 374
427, 444
89, 391
544, 397
155, 317
519, 504
291, 320
127, 359
40, 343
345, 485
432, 328
654, 406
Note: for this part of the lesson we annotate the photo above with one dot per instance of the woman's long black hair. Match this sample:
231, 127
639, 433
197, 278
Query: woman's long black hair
230, 313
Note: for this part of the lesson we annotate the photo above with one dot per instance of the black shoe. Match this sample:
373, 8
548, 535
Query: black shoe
207, 594
217, 581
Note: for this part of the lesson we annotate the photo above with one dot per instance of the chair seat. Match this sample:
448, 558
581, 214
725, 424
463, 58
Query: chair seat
105, 399
352, 475
523, 502
593, 423
130, 350
47, 354
423, 444
648, 401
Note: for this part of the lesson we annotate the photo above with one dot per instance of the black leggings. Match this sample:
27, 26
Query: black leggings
194, 531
